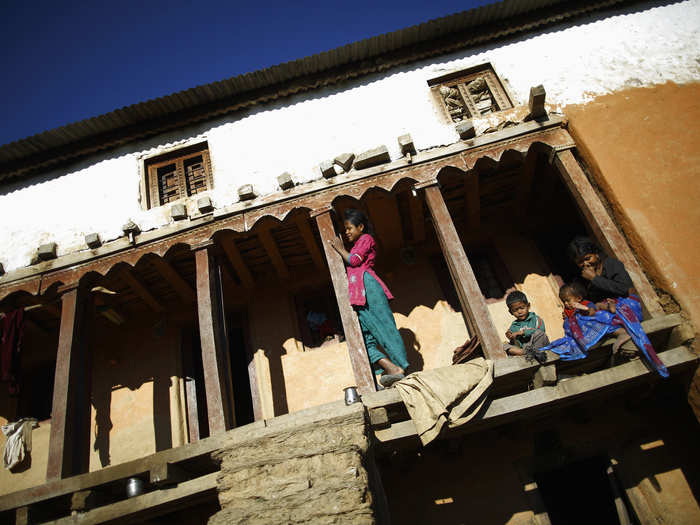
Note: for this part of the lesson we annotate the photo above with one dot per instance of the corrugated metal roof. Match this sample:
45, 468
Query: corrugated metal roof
358, 58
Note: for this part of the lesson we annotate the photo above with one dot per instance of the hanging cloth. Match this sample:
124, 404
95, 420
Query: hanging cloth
19, 441
11, 330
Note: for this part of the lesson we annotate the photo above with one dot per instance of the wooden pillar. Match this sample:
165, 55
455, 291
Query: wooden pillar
214, 341
605, 230
474, 309
353, 334
69, 440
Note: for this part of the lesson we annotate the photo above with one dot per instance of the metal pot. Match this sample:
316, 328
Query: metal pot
134, 487
351, 395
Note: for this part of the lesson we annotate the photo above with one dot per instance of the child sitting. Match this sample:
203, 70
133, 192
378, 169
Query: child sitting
527, 332
572, 297
586, 324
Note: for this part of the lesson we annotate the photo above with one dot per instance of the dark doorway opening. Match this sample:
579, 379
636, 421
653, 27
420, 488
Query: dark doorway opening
240, 357
583, 492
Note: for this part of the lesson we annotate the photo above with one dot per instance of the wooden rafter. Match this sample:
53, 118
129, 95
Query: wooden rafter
310, 241
236, 260
273, 252
174, 279
128, 275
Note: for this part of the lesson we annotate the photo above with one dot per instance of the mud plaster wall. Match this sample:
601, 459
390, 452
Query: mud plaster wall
292, 379
641, 45
488, 476
138, 404
642, 147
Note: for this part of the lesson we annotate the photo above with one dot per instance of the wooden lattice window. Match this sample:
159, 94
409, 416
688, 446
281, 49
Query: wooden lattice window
178, 174
471, 93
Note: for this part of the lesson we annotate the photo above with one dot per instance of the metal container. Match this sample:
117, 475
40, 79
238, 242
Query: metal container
351, 395
134, 487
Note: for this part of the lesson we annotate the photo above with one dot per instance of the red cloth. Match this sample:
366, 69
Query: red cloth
362, 257
11, 327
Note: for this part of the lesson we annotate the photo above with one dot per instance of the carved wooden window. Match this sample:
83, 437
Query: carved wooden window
471, 93
179, 174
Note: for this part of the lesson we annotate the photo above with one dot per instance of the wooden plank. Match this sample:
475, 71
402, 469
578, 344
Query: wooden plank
166, 474
273, 252
473, 303
147, 505
70, 413
415, 206
214, 342
235, 258
526, 404
605, 230
472, 201
128, 275
182, 287
517, 369
351, 326
310, 242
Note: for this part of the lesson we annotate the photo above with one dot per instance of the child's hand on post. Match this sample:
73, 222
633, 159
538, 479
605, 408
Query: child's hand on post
336, 243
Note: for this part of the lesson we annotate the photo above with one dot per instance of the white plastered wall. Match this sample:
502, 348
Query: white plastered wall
639, 46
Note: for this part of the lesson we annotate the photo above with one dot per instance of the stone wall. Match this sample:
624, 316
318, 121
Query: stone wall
301, 470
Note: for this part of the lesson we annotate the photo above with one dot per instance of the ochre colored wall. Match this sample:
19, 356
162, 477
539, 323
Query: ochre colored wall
292, 379
138, 405
642, 146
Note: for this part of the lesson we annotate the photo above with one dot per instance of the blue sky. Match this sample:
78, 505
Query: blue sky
66, 61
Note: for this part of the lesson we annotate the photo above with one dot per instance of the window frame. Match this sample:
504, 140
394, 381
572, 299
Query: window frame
178, 157
495, 83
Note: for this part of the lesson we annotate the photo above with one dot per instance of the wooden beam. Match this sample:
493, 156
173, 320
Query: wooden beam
527, 404
214, 342
415, 206
236, 260
310, 242
273, 252
134, 282
353, 334
69, 439
148, 505
472, 201
605, 230
473, 303
174, 279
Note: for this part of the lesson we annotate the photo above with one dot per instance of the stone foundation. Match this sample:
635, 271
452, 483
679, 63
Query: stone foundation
299, 471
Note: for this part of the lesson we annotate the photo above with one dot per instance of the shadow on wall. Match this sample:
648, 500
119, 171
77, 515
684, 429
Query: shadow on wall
125, 359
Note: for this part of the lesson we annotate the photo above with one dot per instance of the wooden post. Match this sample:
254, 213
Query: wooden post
69, 440
351, 326
214, 341
605, 230
474, 309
